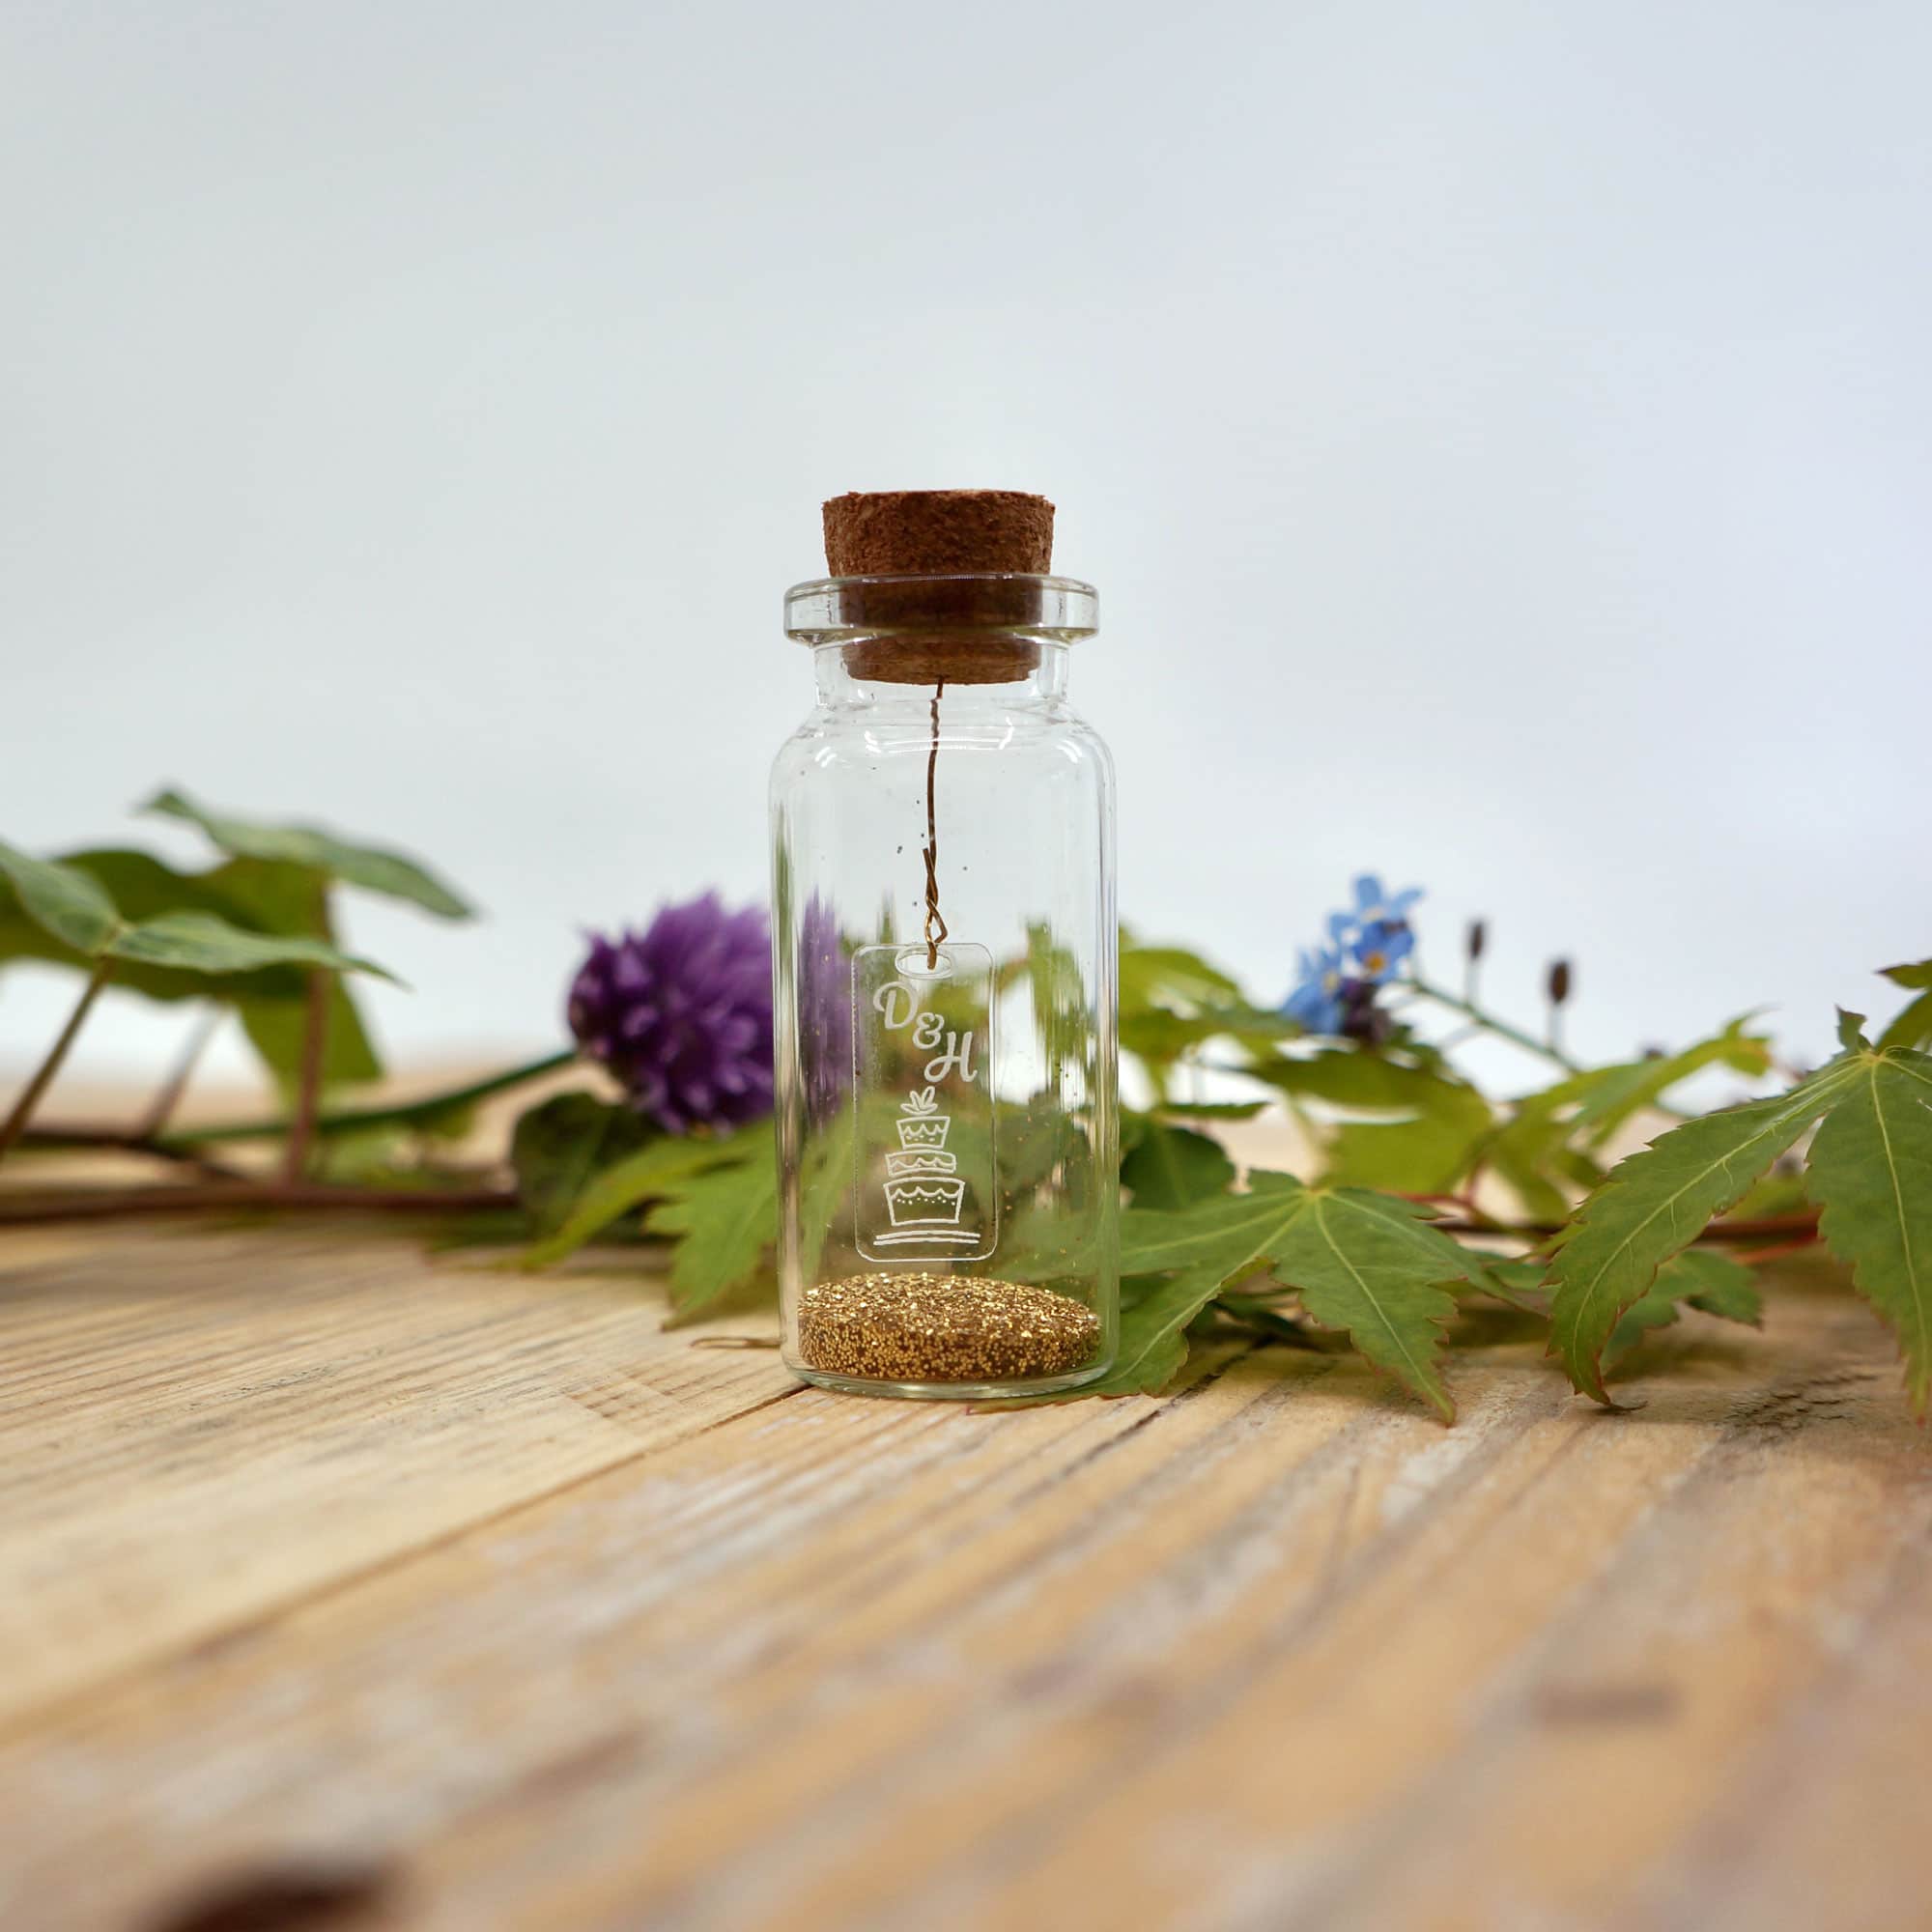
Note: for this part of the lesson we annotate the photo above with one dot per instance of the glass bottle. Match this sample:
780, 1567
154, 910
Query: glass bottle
943, 1013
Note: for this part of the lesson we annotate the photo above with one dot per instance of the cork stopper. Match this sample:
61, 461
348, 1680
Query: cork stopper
938, 533
947, 630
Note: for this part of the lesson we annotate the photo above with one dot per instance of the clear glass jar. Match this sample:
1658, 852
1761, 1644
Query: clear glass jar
944, 1014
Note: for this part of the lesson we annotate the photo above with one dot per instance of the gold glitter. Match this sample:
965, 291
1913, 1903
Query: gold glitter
924, 1328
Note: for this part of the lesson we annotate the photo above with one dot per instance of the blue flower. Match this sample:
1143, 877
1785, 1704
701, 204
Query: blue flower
1316, 1003
1380, 946
1335, 988
1375, 907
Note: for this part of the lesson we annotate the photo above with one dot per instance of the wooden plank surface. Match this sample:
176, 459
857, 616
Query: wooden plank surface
320, 1556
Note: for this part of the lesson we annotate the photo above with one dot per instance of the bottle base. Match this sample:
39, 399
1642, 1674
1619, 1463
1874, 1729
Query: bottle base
984, 1391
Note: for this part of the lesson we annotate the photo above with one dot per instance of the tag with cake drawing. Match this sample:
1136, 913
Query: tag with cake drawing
921, 1095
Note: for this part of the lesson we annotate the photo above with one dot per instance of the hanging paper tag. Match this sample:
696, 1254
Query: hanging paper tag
922, 1097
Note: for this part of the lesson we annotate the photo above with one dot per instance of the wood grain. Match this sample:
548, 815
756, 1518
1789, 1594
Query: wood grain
197, 1426
326, 1558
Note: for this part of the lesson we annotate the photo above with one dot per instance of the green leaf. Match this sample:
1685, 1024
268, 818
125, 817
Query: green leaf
1172, 977
1615, 1093
561, 1144
198, 942
1852, 1032
1699, 1278
1657, 1203
278, 1032
1871, 1174
369, 866
1427, 1153
1359, 1261
62, 901
1211, 1110
1715, 1284
1431, 1132
647, 1175
1912, 1026
725, 1218
1154, 1318
1654, 1311
1516, 1279
1169, 1167
140, 887
276, 897
72, 906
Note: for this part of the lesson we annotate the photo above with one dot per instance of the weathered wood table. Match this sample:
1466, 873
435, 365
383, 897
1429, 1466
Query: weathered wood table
343, 1586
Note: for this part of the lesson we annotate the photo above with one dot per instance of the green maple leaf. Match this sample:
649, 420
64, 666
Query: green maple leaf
1699, 1278
1154, 1317
1621, 1090
725, 1217
648, 1175
1430, 1128
561, 1145
1360, 1261
1169, 1167
1870, 1171
1654, 1205
1912, 1026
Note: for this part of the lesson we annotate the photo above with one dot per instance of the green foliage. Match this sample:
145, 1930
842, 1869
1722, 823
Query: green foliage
1912, 1025
1155, 1312
624, 1186
370, 866
1173, 1003
1548, 1143
1171, 976
272, 1001
1359, 1261
723, 1218
1410, 1127
277, 1030
1699, 1278
198, 942
62, 902
1169, 1167
1610, 1095
1871, 1172
73, 907
1657, 1203
1387, 1112
561, 1145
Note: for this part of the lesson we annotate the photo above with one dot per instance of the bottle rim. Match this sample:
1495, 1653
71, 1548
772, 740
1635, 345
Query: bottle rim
843, 610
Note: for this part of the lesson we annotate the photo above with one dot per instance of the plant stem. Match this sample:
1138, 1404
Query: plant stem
164, 1103
402, 1115
118, 1140
1544, 1049
308, 1086
23, 1108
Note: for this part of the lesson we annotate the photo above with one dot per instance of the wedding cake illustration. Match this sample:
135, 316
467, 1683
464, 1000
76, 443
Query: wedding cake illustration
923, 1193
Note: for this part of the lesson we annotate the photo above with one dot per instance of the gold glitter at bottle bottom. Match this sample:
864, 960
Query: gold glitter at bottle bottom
924, 1328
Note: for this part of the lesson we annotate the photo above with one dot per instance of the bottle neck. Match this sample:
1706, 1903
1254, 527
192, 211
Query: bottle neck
1032, 675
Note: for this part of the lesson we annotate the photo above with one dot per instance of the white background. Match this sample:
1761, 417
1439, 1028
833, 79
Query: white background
1502, 434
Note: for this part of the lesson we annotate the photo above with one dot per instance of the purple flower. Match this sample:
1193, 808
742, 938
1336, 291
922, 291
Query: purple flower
682, 1014
824, 1009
